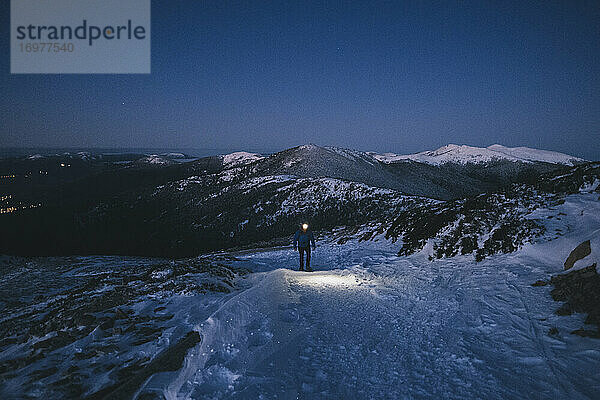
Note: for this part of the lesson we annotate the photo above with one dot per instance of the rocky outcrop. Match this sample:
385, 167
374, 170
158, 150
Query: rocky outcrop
490, 223
169, 360
107, 314
580, 252
539, 282
580, 290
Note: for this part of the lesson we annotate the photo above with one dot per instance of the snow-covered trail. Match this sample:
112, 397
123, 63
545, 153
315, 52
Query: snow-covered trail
385, 327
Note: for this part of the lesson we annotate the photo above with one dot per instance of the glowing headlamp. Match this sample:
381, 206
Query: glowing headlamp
305, 226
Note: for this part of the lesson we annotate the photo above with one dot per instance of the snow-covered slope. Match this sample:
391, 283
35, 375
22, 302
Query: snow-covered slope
239, 158
462, 154
263, 208
419, 179
498, 222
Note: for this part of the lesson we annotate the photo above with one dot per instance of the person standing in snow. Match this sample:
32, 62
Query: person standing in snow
302, 241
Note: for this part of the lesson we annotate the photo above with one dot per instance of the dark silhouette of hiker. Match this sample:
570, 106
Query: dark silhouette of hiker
302, 241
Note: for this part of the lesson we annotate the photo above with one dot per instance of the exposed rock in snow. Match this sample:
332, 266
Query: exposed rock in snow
462, 154
579, 252
503, 222
170, 359
580, 290
485, 225
67, 317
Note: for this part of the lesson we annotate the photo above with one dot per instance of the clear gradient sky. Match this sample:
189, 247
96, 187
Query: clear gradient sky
397, 76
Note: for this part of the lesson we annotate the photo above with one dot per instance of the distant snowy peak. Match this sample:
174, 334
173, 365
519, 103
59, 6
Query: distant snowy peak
525, 153
462, 154
154, 159
239, 158
173, 155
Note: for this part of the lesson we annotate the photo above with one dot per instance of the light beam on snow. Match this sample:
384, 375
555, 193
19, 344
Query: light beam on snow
327, 279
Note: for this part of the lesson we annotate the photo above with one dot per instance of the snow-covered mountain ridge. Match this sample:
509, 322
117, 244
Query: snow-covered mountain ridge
462, 154
445, 181
242, 199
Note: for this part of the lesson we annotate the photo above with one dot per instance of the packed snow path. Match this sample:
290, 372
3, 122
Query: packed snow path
386, 327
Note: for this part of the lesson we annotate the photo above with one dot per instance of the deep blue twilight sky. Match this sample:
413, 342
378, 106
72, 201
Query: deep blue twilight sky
397, 76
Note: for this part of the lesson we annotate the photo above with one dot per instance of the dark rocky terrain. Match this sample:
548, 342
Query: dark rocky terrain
580, 292
58, 314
